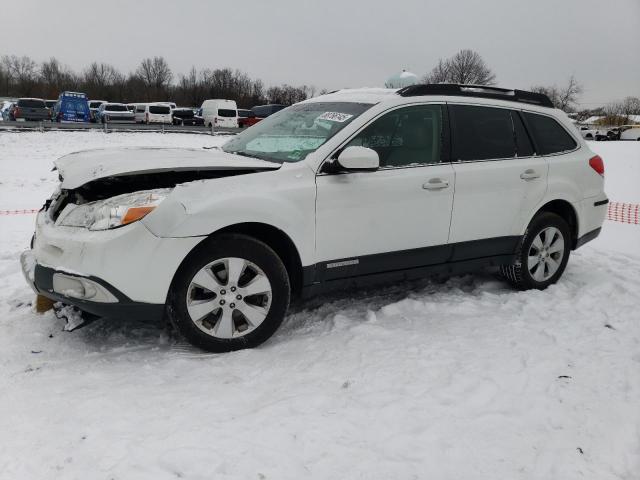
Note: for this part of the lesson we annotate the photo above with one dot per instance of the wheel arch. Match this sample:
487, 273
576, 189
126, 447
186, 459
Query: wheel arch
279, 241
272, 236
565, 210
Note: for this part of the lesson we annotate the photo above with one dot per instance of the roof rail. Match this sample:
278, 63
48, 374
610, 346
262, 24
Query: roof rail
481, 91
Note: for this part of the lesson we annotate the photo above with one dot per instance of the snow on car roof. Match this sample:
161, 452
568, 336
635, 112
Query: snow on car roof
360, 95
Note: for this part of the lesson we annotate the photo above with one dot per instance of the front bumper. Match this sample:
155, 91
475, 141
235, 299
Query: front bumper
129, 263
113, 304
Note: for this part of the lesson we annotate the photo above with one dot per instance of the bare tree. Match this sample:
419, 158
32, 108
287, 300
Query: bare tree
565, 98
465, 67
156, 75
55, 78
22, 74
631, 106
101, 80
190, 89
439, 74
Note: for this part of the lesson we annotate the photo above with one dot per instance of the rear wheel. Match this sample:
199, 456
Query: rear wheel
232, 293
543, 254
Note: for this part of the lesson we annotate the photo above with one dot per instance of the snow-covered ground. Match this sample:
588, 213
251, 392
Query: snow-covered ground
460, 378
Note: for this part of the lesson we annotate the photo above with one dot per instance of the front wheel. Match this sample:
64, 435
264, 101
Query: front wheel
231, 293
543, 254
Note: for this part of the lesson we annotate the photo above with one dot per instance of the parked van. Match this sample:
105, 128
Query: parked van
220, 113
139, 110
153, 113
72, 107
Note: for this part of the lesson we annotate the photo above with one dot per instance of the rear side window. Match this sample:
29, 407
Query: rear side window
224, 112
548, 134
405, 137
481, 133
524, 147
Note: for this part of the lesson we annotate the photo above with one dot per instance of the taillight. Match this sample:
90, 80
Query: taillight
16, 112
597, 164
215, 120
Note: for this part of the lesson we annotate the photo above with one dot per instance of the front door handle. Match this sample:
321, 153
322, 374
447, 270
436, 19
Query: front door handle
529, 174
435, 184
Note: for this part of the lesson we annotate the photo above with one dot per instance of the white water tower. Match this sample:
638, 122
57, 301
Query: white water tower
402, 79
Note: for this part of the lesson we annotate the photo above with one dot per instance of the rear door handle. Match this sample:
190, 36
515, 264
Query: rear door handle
529, 174
435, 184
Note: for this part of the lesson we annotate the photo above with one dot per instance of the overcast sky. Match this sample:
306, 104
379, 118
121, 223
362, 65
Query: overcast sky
341, 43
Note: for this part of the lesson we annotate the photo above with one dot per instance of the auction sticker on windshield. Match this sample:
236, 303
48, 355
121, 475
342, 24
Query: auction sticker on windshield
335, 116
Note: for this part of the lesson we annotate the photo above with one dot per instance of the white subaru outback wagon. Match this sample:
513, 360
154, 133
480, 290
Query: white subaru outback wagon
349, 188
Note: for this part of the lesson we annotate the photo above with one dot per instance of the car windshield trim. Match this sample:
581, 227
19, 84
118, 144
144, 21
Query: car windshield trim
290, 135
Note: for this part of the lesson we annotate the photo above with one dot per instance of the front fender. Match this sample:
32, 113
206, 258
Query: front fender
284, 199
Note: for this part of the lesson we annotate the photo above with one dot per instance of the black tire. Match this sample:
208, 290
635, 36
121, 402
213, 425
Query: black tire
223, 246
519, 275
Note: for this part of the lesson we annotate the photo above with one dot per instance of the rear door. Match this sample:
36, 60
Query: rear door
499, 179
396, 217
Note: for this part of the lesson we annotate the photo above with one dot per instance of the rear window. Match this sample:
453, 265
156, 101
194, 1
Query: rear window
481, 133
31, 103
222, 112
159, 109
548, 134
116, 108
94, 104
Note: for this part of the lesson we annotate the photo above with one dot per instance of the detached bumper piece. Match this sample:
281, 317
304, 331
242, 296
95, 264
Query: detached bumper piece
89, 294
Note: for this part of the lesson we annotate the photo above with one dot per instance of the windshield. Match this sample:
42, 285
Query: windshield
292, 134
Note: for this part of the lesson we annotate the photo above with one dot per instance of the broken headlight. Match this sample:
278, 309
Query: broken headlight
113, 212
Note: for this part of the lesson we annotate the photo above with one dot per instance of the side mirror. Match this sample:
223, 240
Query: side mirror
359, 159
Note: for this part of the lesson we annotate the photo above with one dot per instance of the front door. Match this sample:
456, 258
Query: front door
396, 217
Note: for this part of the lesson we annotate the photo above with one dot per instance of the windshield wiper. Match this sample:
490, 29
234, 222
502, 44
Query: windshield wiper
243, 153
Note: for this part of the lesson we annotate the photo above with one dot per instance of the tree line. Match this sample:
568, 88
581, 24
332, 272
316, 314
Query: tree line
152, 80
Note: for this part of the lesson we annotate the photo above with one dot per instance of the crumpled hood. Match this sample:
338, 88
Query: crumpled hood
77, 169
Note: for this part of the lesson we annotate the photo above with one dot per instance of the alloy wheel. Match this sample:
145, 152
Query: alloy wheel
229, 297
545, 254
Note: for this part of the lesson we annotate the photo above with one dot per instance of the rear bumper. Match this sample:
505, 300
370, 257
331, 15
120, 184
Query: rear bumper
41, 279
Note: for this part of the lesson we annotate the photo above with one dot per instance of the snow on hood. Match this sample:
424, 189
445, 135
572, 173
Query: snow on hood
79, 168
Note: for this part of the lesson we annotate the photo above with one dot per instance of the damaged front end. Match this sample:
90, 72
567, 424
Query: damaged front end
83, 260
119, 200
